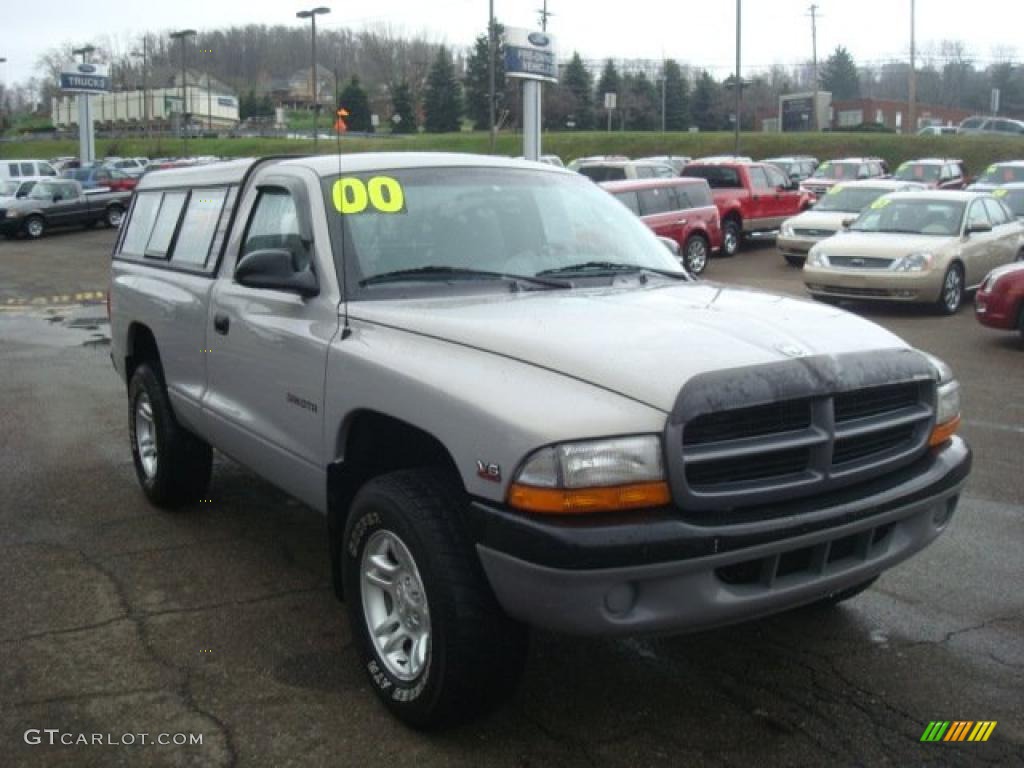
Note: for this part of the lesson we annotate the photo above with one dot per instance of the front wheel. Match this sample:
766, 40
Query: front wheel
173, 465
695, 254
732, 232
794, 261
35, 227
114, 216
952, 294
436, 646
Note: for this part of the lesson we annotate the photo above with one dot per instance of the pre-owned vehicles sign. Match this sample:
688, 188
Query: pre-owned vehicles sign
85, 78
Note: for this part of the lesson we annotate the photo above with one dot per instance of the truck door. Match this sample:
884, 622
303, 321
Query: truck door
267, 348
763, 205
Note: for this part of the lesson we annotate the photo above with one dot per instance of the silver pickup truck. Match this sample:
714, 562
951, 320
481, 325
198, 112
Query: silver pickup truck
56, 203
515, 409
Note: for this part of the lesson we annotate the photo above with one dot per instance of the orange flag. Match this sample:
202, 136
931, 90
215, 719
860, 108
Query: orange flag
339, 124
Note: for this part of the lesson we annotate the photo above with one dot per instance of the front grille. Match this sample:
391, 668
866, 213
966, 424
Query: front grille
843, 290
859, 262
741, 456
814, 232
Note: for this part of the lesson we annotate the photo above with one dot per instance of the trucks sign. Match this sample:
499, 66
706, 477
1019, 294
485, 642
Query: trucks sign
85, 78
530, 55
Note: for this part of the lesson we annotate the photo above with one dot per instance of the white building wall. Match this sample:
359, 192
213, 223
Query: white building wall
127, 108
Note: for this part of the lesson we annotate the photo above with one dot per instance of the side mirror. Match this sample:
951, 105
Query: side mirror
57, 198
979, 227
847, 222
275, 269
671, 244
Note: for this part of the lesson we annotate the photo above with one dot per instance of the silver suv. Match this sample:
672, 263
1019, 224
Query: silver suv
998, 126
514, 408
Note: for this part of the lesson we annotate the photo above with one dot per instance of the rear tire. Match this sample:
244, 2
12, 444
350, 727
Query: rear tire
695, 254
951, 295
732, 235
173, 465
473, 654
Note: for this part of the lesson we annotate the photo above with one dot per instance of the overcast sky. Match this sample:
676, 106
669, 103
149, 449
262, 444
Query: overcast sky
698, 32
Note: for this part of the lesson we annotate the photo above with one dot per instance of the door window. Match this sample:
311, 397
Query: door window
977, 215
653, 201
13, 170
147, 204
274, 224
758, 178
776, 178
996, 213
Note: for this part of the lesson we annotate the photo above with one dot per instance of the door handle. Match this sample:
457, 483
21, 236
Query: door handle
221, 323
680, 222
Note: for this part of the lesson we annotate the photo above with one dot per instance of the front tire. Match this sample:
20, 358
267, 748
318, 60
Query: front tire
173, 466
436, 646
732, 234
795, 261
695, 254
114, 216
35, 227
951, 295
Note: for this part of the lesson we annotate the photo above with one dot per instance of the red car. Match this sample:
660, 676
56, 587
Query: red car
680, 209
999, 302
750, 197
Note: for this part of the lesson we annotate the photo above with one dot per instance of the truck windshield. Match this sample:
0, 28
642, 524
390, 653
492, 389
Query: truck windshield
846, 171
443, 224
1002, 174
849, 199
912, 217
918, 172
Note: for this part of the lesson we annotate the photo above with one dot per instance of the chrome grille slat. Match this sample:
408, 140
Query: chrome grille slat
751, 446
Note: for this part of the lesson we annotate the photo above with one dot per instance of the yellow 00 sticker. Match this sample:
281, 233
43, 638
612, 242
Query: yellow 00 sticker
880, 203
999, 193
381, 194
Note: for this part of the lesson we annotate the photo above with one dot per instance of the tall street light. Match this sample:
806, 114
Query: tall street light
4, 81
180, 36
739, 79
311, 15
144, 55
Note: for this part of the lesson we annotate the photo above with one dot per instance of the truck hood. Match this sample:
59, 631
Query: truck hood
641, 342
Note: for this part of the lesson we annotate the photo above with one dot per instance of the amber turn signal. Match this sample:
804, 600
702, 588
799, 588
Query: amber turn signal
581, 501
943, 432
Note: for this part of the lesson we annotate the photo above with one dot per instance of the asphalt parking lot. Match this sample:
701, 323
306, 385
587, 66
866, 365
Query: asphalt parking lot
116, 618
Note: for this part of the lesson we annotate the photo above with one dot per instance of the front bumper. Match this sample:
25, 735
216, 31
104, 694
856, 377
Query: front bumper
794, 245
994, 311
881, 284
11, 226
662, 573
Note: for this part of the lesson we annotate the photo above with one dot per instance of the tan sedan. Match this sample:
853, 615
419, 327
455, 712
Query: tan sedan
916, 246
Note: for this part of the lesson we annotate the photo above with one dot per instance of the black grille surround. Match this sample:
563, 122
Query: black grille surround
808, 426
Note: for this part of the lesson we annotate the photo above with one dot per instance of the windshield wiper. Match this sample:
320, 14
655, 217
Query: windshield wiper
466, 273
598, 267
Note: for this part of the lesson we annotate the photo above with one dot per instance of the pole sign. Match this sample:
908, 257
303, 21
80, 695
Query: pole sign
85, 78
530, 55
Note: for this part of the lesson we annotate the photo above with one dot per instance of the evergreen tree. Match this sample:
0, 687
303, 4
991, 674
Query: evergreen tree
402, 106
355, 100
478, 80
580, 85
703, 109
839, 75
610, 82
677, 98
641, 103
443, 100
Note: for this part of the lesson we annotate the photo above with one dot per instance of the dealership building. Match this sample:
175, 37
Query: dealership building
796, 113
211, 104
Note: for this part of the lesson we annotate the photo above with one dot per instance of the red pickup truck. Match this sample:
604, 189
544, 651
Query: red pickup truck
750, 197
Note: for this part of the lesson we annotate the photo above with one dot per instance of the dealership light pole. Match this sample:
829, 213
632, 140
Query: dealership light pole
311, 15
4, 99
145, 99
180, 36
815, 122
739, 79
86, 136
490, 76
912, 85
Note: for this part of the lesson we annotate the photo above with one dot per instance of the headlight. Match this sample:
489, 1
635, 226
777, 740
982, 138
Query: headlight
592, 476
13, 213
913, 262
787, 229
817, 258
947, 403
